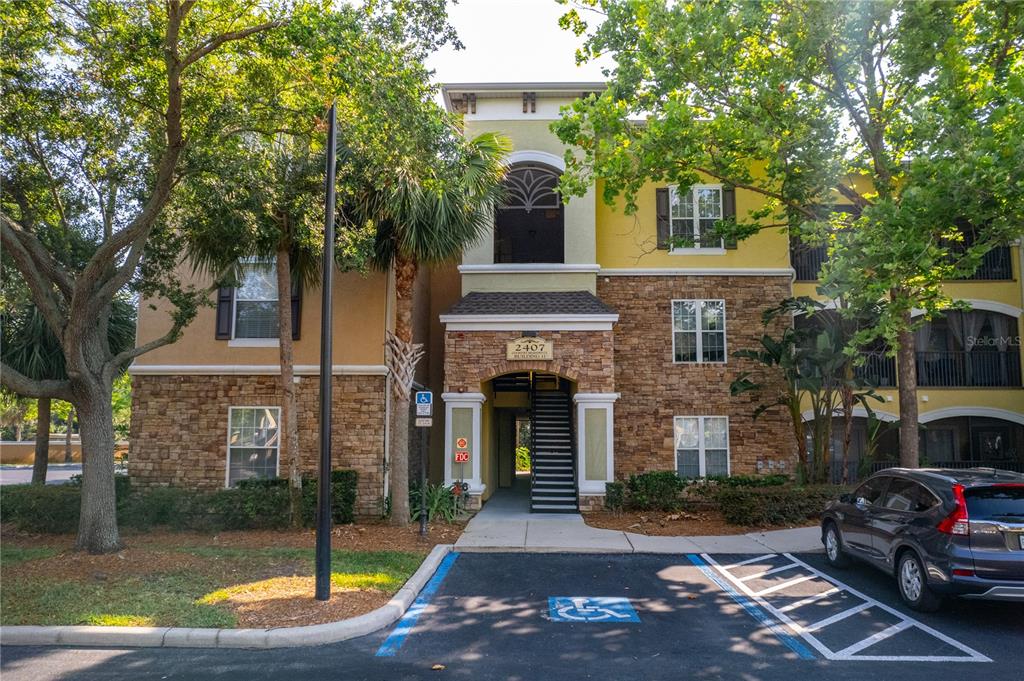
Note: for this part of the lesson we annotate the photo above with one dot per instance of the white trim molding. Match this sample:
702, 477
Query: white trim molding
858, 412
988, 305
535, 322
536, 156
585, 401
472, 401
253, 343
697, 271
253, 369
988, 412
530, 268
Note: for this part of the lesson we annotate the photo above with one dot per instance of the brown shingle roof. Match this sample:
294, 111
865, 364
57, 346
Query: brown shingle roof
530, 303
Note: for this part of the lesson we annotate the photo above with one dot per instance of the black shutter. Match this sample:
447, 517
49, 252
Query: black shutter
296, 308
661, 202
729, 210
225, 298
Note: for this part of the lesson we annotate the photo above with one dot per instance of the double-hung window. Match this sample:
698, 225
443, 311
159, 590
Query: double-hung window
694, 212
256, 301
702, 446
254, 443
698, 330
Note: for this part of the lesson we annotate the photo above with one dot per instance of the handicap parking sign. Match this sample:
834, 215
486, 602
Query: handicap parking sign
424, 403
591, 609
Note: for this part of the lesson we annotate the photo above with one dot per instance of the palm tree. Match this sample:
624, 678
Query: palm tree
424, 220
260, 201
28, 346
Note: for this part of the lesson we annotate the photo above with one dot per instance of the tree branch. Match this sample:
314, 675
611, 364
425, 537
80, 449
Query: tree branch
212, 44
120, 360
40, 287
28, 387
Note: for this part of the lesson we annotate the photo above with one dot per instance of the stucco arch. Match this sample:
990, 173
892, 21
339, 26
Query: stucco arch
536, 156
989, 412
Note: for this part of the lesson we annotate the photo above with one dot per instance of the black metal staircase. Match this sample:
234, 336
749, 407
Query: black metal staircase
553, 479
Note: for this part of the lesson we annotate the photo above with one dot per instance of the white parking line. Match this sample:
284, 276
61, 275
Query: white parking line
785, 585
874, 638
748, 561
810, 599
838, 617
758, 575
848, 653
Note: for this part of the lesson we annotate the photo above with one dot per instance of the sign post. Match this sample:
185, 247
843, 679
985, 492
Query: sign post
424, 419
323, 497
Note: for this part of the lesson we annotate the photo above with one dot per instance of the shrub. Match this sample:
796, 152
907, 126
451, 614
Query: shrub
614, 495
523, 458
656, 490
254, 504
773, 480
50, 509
440, 502
763, 506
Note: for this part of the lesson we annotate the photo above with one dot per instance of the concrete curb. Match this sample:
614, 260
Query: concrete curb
184, 637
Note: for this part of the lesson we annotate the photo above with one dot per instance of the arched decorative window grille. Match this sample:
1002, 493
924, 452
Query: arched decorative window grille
531, 186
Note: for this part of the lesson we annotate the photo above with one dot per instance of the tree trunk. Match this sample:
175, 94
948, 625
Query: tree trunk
405, 278
97, 527
288, 420
906, 369
847, 396
68, 457
42, 458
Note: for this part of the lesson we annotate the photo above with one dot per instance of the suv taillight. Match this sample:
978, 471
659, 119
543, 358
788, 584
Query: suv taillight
956, 522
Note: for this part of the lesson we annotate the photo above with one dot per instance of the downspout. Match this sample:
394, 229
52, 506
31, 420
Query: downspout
389, 310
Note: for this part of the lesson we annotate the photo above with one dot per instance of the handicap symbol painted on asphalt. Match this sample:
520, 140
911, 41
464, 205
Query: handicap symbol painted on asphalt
591, 609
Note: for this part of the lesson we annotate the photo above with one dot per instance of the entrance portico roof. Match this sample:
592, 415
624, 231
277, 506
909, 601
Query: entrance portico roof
560, 303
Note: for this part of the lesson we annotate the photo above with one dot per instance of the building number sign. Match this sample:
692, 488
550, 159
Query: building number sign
529, 348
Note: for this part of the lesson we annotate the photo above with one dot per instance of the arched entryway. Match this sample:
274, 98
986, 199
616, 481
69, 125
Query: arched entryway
529, 438
529, 226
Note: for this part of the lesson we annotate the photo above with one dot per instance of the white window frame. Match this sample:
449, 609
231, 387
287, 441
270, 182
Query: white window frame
702, 463
696, 249
227, 461
700, 331
237, 342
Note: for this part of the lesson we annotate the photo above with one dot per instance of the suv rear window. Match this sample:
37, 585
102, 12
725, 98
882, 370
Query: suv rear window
997, 501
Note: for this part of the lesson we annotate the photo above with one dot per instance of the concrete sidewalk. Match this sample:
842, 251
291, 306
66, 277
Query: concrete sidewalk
506, 524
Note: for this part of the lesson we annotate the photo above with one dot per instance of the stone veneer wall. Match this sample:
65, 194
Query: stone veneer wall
180, 424
654, 389
585, 357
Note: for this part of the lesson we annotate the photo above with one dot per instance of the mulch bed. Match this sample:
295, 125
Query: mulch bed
282, 588
673, 524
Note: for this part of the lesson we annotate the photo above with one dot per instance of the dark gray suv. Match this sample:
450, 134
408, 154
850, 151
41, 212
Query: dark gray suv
939, 532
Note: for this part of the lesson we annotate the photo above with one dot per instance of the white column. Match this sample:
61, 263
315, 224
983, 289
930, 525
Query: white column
588, 402
472, 402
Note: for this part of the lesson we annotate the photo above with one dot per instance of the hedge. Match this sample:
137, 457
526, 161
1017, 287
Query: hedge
254, 504
763, 506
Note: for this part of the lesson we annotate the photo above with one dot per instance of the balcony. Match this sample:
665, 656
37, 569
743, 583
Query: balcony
877, 369
996, 265
974, 369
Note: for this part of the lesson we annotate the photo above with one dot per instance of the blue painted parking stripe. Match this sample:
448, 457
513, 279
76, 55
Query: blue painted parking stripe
753, 610
405, 625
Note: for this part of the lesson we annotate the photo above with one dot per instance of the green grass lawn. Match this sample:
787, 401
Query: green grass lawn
195, 596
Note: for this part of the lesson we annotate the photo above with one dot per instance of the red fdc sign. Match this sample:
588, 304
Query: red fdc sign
461, 457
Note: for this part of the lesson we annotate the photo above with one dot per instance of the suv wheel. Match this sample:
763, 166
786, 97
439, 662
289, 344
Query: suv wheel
834, 547
913, 584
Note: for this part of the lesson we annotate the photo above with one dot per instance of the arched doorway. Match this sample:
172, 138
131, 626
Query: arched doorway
529, 432
529, 227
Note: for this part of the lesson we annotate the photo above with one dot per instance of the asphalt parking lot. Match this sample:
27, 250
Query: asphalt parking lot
558, 616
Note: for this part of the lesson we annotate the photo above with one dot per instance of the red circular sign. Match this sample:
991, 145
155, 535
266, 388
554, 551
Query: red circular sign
461, 443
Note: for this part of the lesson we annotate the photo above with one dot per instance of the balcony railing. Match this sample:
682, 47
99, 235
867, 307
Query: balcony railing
958, 368
877, 369
807, 260
996, 265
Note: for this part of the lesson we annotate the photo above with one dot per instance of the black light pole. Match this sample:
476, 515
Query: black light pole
323, 498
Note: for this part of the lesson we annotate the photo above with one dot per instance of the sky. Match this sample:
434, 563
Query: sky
511, 40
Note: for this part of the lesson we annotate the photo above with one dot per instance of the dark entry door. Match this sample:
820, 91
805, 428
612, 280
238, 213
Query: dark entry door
536, 235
